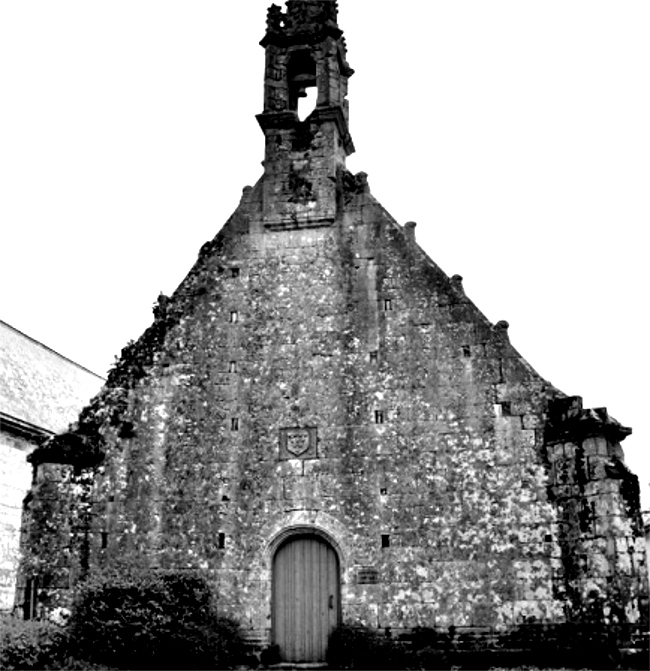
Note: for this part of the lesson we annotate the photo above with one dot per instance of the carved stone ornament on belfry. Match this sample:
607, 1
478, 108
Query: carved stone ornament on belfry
298, 443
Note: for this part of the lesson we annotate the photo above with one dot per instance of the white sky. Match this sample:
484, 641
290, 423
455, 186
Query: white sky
515, 132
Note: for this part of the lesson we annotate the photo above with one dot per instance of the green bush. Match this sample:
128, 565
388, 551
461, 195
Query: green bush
432, 659
30, 644
357, 647
152, 621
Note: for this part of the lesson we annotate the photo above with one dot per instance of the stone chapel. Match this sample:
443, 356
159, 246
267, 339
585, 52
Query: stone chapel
322, 422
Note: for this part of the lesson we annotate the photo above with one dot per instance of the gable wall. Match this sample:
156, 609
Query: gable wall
456, 478
452, 475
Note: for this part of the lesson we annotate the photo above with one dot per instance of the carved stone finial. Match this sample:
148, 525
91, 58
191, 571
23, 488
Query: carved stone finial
362, 181
354, 184
274, 19
303, 21
457, 283
310, 16
409, 230
502, 326
245, 193
161, 305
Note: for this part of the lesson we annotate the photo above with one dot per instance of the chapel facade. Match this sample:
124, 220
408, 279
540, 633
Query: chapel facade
322, 422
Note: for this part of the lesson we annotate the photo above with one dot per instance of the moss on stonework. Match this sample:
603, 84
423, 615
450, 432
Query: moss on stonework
420, 441
76, 448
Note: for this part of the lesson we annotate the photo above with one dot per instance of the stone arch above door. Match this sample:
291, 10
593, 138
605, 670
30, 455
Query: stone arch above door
304, 530
300, 522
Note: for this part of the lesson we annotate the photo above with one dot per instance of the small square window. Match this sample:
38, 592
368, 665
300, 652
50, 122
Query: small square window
467, 351
374, 356
379, 416
234, 424
385, 541
388, 304
383, 491
221, 540
234, 316
234, 272
232, 367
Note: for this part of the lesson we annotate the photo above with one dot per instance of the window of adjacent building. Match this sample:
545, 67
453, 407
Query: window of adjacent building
30, 603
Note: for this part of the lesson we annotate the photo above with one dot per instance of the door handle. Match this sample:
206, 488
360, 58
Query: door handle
331, 604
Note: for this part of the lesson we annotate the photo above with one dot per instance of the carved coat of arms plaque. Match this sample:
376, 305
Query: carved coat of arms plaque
298, 443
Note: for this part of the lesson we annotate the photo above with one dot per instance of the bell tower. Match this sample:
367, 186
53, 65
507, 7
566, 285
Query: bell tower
304, 159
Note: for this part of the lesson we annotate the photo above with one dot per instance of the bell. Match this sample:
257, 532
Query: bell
304, 79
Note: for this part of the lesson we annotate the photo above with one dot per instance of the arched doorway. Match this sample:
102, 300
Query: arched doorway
306, 597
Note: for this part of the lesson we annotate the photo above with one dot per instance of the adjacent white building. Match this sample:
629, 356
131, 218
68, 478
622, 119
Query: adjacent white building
41, 393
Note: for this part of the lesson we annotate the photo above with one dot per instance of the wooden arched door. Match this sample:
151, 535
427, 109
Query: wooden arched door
305, 597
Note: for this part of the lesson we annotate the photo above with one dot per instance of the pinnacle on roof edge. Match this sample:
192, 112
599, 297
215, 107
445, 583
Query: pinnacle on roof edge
302, 18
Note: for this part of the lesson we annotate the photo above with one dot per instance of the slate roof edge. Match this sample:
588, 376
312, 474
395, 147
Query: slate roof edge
49, 349
22, 428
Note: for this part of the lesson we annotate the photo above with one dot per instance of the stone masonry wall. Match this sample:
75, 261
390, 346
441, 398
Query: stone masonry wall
600, 525
334, 379
424, 466
55, 538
